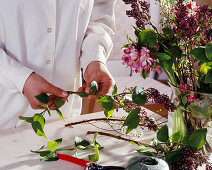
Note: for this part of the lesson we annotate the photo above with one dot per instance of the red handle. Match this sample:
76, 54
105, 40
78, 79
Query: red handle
72, 159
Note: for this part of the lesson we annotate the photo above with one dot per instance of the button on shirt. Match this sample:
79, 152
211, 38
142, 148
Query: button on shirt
53, 38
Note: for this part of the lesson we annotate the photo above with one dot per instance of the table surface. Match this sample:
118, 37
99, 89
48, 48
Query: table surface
15, 144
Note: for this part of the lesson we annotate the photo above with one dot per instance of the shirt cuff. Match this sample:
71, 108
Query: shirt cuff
88, 56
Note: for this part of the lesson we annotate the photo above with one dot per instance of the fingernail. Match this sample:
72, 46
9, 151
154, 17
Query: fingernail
64, 94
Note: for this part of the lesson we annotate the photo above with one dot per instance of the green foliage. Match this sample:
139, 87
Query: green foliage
148, 38
52, 145
174, 156
43, 98
139, 96
48, 156
208, 77
115, 89
199, 53
94, 157
107, 103
176, 137
59, 102
165, 61
198, 138
38, 124
167, 31
132, 120
83, 94
94, 87
59, 113
81, 142
208, 51
205, 68
26, 119
163, 134
45, 107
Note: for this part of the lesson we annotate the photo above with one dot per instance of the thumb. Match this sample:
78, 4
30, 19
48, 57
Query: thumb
56, 91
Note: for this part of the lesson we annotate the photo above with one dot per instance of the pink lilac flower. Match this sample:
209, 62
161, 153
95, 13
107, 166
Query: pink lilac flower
192, 99
184, 86
192, 5
146, 60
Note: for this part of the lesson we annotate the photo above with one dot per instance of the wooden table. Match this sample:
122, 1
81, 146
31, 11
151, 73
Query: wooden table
15, 145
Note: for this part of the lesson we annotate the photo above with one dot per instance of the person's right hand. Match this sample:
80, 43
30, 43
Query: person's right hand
36, 85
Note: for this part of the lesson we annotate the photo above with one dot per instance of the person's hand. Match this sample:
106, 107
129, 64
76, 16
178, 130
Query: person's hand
36, 85
98, 71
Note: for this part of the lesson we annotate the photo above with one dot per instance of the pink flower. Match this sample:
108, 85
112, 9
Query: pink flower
192, 99
157, 69
184, 86
192, 5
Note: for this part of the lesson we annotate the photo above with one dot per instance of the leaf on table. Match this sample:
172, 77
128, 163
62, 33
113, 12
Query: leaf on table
48, 156
52, 145
94, 157
81, 142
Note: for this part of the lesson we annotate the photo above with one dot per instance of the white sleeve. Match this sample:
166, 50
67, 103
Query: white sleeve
12, 72
97, 44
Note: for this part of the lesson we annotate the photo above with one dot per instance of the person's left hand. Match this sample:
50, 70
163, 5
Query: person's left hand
97, 71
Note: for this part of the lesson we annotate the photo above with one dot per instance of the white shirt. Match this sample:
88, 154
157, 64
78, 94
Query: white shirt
53, 38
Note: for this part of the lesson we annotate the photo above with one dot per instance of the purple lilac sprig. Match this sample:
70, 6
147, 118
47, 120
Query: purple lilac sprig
162, 99
139, 11
192, 160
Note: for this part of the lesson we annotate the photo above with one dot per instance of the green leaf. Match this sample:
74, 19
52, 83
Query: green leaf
59, 141
59, 102
95, 136
148, 153
108, 113
208, 51
185, 141
163, 134
81, 142
60, 114
184, 100
94, 157
83, 94
45, 107
198, 138
167, 31
107, 103
43, 98
26, 119
48, 156
94, 87
38, 124
132, 120
165, 61
139, 96
38, 129
199, 54
52, 145
125, 46
174, 156
176, 51
208, 77
175, 137
205, 68
148, 38
115, 89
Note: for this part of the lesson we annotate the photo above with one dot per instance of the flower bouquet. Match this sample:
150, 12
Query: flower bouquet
182, 49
